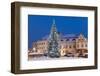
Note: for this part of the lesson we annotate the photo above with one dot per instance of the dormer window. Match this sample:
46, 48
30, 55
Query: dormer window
67, 39
61, 40
73, 39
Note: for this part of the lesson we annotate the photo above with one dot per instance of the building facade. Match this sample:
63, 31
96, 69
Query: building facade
69, 44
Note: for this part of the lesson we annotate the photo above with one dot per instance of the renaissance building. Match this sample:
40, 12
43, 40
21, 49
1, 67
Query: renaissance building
70, 45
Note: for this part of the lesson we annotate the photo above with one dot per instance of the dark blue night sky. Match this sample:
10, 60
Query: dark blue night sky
40, 26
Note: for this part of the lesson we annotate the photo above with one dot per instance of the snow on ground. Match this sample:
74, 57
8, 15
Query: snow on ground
48, 58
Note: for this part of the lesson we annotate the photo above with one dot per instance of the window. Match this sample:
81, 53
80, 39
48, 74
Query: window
74, 46
82, 45
61, 40
73, 39
85, 45
70, 46
66, 46
78, 45
67, 39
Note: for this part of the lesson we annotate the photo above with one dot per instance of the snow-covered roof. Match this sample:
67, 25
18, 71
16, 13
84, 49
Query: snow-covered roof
67, 36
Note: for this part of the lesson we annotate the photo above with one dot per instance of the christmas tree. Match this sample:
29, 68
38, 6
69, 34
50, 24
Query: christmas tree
53, 42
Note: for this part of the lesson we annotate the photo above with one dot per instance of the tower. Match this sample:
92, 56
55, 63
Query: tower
53, 42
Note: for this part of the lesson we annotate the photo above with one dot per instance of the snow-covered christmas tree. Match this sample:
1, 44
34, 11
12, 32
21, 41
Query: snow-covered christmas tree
53, 42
